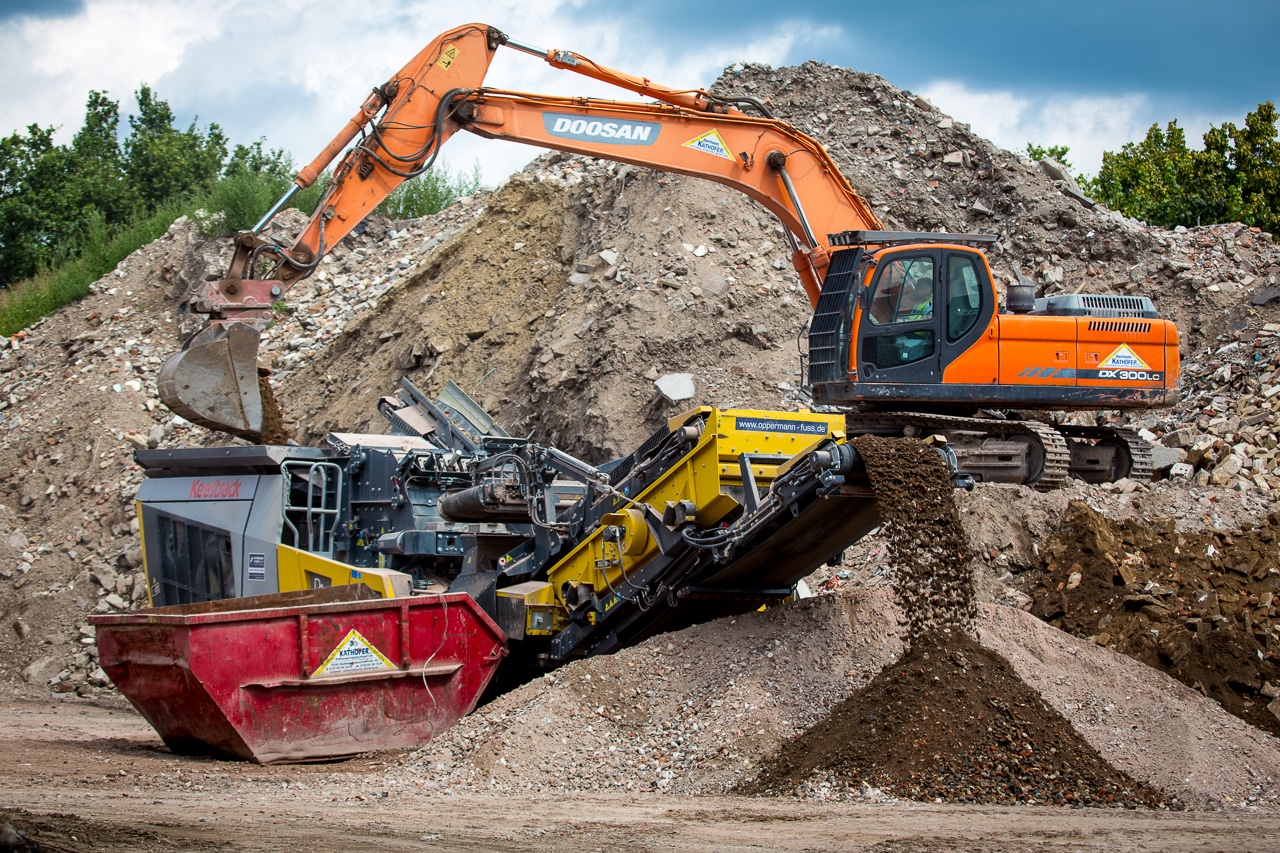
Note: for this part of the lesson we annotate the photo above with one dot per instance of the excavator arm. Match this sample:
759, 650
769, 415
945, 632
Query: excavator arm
401, 127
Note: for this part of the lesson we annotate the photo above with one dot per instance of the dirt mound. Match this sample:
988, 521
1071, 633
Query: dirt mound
690, 711
929, 556
1199, 606
950, 721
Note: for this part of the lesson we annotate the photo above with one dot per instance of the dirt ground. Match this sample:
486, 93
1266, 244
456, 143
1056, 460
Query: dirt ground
77, 776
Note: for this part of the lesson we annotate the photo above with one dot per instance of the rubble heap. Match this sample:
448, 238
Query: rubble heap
1200, 607
1224, 431
701, 710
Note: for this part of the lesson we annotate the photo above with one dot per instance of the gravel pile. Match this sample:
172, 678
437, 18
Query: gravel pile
949, 722
687, 712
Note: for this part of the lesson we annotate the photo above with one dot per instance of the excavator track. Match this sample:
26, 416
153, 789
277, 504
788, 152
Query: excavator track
976, 441
1134, 459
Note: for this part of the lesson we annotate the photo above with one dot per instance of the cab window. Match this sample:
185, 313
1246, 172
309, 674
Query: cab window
964, 295
903, 292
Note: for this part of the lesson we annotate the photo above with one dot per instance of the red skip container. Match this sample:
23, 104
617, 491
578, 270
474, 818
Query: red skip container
301, 676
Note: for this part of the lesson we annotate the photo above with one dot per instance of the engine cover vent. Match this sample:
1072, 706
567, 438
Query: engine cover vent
1095, 305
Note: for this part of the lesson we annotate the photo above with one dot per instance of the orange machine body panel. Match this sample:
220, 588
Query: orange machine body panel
961, 352
980, 363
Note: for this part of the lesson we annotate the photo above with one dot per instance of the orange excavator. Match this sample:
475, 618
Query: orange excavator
908, 335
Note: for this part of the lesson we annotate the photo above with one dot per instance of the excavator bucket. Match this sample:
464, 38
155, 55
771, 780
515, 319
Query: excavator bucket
214, 380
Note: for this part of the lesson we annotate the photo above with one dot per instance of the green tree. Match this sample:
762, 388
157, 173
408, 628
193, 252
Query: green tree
1150, 180
161, 161
99, 182
39, 213
1254, 160
1053, 152
1235, 177
254, 160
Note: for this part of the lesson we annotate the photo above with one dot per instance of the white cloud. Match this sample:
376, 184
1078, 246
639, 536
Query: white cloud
295, 70
1088, 125
50, 64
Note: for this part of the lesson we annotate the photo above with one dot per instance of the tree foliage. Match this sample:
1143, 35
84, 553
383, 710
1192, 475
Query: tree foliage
53, 197
1053, 152
430, 192
1235, 177
37, 214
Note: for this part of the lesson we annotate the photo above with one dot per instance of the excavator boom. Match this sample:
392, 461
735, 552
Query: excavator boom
401, 127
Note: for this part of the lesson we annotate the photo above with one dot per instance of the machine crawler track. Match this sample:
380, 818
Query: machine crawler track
1132, 459
1025, 452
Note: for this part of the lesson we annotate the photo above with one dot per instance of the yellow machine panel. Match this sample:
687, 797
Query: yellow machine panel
707, 485
304, 570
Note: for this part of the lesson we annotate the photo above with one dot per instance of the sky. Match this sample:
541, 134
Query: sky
1091, 75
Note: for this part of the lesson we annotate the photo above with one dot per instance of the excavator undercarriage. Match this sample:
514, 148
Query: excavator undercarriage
1022, 451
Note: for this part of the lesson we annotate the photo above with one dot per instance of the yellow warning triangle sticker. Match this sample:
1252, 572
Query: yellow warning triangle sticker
1123, 358
448, 56
710, 143
353, 654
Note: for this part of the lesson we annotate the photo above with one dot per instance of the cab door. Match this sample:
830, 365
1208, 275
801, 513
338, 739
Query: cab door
900, 328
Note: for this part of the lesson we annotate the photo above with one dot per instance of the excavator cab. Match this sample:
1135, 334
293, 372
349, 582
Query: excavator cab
896, 311
923, 307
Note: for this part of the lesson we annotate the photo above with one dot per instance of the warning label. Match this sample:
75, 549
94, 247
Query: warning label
710, 143
1123, 358
354, 654
447, 57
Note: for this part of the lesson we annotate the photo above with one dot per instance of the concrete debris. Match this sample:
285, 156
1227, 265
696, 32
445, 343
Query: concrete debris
676, 386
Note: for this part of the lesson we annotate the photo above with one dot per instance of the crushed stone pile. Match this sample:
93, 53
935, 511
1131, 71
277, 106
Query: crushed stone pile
685, 712
1144, 723
950, 721
1200, 607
